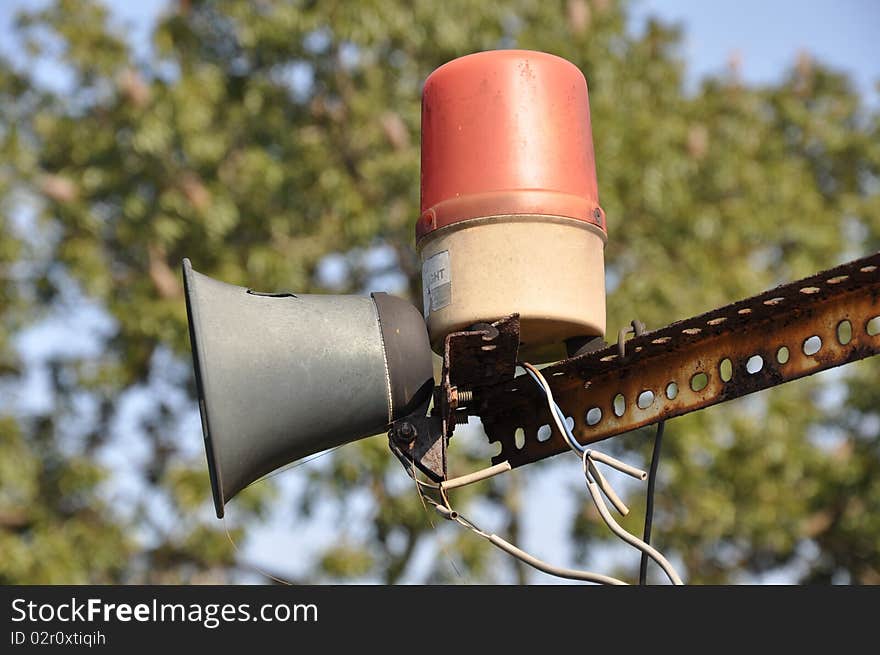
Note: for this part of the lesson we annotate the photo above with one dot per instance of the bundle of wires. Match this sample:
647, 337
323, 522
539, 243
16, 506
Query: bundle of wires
562, 426
596, 483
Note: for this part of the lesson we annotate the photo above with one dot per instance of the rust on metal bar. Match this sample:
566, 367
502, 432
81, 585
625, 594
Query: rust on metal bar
789, 332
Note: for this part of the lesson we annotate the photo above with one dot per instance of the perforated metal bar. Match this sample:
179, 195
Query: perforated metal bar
747, 346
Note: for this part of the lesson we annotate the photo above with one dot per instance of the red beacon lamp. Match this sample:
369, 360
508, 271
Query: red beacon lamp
510, 218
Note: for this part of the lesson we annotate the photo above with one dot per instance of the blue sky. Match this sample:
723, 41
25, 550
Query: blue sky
765, 37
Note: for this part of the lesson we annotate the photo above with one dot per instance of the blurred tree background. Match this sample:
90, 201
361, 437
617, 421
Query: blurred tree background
272, 142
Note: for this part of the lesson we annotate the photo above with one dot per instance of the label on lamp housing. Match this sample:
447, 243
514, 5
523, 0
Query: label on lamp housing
436, 282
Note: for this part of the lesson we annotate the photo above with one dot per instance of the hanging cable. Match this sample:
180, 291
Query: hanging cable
555, 411
632, 540
572, 574
446, 511
596, 485
598, 481
593, 477
638, 328
649, 499
608, 490
559, 418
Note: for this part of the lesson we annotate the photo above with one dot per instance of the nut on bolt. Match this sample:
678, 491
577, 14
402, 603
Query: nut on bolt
456, 397
405, 432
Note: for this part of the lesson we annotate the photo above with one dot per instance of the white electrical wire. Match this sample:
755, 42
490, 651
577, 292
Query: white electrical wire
445, 510
623, 467
448, 513
608, 490
571, 574
577, 448
555, 411
521, 555
476, 476
631, 539
596, 481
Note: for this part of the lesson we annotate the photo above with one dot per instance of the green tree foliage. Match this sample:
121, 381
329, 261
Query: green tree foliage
256, 138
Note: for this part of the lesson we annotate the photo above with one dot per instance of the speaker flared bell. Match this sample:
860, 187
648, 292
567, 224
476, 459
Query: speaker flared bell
283, 376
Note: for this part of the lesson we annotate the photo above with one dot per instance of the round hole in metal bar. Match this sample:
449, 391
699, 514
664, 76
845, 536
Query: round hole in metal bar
868, 269
744, 312
838, 279
691, 331
809, 291
872, 327
608, 358
772, 302
671, 390
593, 416
716, 321
619, 405
544, 433
782, 355
699, 381
844, 332
646, 398
755, 364
725, 369
519, 438
812, 345
662, 340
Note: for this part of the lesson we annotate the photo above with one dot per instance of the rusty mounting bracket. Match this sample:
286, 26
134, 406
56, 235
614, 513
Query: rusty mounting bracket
419, 440
783, 334
474, 359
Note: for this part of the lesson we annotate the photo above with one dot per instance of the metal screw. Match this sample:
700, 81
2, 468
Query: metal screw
597, 214
406, 432
490, 330
465, 396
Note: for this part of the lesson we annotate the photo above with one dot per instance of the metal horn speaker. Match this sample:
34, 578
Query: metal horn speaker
283, 376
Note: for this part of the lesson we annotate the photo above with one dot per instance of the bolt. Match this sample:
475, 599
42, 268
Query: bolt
406, 432
490, 330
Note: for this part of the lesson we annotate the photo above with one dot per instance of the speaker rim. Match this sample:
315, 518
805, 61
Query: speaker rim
194, 319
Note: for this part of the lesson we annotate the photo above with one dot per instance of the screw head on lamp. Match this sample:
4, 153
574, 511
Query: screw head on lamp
510, 217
